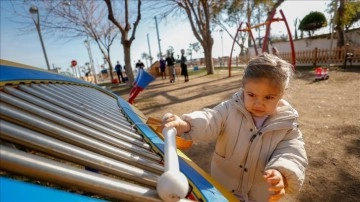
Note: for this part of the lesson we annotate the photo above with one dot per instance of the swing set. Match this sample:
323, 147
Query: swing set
267, 33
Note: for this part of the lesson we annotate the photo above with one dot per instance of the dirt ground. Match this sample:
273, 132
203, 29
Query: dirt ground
329, 118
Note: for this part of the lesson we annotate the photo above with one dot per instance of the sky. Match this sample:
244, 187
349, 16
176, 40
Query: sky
26, 48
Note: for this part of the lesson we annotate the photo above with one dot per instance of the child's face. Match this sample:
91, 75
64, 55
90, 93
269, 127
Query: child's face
261, 97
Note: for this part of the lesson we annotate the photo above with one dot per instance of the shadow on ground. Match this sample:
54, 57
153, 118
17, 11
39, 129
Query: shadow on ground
345, 185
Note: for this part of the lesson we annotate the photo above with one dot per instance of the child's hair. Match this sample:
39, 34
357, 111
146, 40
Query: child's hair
271, 67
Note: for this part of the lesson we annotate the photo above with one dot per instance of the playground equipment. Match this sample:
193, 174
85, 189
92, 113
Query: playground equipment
265, 46
142, 80
172, 184
53, 127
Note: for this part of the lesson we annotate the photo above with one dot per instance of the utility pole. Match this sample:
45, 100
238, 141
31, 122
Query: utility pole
157, 31
149, 49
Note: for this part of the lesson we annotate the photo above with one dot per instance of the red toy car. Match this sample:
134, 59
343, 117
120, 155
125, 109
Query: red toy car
321, 73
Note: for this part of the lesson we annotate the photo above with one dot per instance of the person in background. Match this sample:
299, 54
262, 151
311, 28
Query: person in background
162, 68
118, 70
259, 154
183, 64
170, 61
140, 65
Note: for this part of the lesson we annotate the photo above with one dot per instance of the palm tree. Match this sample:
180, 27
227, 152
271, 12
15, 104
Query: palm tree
145, 57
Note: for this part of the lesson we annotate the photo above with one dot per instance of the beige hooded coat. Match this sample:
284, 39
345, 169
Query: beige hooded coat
243, 152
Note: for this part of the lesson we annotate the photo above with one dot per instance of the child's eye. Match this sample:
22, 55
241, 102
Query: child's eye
251, 95
269, 97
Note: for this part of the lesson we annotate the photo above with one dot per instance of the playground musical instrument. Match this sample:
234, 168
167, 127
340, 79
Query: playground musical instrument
61, 134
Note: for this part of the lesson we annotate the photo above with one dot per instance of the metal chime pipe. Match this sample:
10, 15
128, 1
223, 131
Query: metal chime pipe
91, 109
76, 126
78, 111
73, 137
109, 107
51, 146
35, 166
123, 142
74, 117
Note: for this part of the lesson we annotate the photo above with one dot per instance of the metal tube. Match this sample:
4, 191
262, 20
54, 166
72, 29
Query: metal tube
51, 107
35, 166
94, 110
77, 110
91, 102
88, 95
96, 98
8, 112
54, 147
78, 127
128, 145
98, 109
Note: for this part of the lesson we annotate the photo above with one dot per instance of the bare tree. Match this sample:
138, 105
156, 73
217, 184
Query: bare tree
125, 28
200, 14
75, 19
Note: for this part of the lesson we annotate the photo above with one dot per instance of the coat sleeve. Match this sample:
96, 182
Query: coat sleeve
290, 159
208, 122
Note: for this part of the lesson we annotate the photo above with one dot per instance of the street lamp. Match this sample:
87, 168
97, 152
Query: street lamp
87, 45
35, 16
222, 47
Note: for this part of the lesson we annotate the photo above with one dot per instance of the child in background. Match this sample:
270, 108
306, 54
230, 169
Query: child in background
259, 153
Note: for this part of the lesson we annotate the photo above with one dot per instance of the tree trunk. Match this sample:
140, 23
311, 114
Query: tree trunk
340, 24
110, 64
127, 59
107, 58
208, 56
124, 34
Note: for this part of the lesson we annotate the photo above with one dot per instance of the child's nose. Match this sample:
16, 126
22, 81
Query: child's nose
258, 102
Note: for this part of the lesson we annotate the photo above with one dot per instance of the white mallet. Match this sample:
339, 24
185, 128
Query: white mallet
172, 185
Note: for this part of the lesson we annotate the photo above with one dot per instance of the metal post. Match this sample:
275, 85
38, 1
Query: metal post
222, 48
87, 45
149, 49
35, 11
78, 68
157, 31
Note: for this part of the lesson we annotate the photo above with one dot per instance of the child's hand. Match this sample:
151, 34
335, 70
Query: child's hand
175, 121
276, 183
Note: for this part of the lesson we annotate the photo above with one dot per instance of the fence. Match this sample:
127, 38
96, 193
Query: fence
313, 57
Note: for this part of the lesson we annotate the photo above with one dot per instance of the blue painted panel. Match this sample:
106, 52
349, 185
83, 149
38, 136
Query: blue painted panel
17, 191
9, 73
